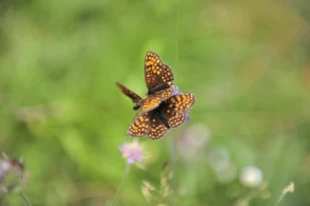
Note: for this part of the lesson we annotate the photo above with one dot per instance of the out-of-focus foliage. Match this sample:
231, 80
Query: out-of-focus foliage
246, 61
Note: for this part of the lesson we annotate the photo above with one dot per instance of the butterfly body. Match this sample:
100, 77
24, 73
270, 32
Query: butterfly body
162, 117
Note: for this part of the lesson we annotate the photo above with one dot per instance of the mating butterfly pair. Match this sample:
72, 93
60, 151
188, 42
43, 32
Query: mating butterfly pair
161, 109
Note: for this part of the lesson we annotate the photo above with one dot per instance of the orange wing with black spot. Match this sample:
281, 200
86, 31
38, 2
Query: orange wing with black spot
152, 101
140, 125
176, 107
133, 96
156, 73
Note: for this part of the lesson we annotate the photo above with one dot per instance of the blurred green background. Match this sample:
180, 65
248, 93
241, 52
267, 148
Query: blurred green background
246, 61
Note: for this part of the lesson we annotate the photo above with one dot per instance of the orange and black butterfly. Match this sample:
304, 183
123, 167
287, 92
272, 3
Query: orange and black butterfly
170, 113
164, 107
158, 79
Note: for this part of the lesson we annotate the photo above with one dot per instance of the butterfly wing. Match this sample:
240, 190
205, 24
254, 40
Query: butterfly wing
173, 111
152, 101
156, 73
176, 107
133, 96
140, 126
157, 127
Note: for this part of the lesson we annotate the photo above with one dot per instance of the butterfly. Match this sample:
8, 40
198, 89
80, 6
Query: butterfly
171, 113
159, 80
164, 106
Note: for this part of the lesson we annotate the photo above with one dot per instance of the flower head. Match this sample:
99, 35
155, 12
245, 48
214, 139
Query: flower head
187, 118
175, 91
251, 177
4, 168
12, 175
132, 152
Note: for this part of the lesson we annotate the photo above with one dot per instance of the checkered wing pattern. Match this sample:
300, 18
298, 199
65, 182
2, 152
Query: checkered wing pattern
152, 101
133, 96
176, 107
156, 72
158, 129
140, 125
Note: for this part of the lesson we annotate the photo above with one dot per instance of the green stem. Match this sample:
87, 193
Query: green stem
173, 146
177, 37
26, 201
122, 183
173, 140
173, 158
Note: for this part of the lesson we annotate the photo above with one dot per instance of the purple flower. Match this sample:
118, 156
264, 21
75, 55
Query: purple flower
132, 152
175, 91
4, 168
187, 118
12, 175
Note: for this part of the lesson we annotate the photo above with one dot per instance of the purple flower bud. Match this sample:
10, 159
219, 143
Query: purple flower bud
176, 91
187, 118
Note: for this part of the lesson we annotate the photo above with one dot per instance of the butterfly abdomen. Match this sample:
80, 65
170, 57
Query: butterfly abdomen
161, 116
137, 106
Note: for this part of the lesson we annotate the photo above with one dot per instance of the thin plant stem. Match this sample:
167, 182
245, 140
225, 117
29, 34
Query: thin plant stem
26, 201
172, 139
121, 185
173, 167
279, 200
177, 37
173, 158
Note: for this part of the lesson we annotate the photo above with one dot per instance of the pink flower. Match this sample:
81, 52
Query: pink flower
132, 152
